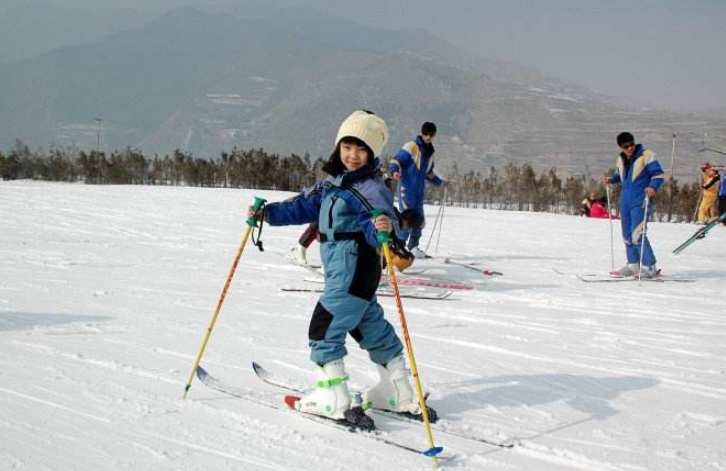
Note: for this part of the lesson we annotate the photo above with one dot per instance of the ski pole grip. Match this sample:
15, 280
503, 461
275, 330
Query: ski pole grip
383, 237
252, 222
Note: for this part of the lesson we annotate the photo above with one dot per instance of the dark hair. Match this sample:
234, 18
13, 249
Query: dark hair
428, 128
625, 138
334, 166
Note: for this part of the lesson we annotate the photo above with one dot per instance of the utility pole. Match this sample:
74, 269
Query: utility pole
672, 182
98, 136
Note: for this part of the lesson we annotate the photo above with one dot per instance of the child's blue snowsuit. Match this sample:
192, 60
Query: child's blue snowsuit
415, 163
635, 175
342, 205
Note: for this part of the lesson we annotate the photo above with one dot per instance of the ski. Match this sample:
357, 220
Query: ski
485, 272
273, 380
411, 292
318, 269
428, 282
710, 149
213, 383
560, 272
406, 281
701, 233
610, 278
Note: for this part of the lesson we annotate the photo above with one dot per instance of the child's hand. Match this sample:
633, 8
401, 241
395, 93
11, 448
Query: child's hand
383, 224
251, 213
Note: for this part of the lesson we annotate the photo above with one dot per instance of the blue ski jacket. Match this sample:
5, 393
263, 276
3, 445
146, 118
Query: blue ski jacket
415, 163
339, 203
636, 174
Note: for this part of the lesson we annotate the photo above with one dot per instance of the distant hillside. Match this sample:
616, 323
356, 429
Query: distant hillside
208, 82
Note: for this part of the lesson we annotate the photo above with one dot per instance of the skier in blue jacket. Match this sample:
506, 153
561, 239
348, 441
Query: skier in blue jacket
413, 166
341, 204
640, 176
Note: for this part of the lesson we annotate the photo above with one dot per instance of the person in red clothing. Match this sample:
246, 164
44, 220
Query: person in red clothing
599, 209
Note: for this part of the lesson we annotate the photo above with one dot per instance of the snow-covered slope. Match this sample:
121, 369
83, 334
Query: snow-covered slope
106, 291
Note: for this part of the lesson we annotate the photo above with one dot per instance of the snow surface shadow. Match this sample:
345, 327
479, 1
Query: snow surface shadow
587, 394
28, 320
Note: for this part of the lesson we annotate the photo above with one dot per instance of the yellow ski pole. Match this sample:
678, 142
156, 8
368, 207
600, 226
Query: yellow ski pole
384, 238
251, 222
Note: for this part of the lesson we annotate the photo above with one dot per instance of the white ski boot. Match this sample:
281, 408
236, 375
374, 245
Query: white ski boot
393, 392
631, 269
648, 273
331, 397
297, 254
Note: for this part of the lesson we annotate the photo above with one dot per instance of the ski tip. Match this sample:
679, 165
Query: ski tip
291, 401
434, 451
259, 369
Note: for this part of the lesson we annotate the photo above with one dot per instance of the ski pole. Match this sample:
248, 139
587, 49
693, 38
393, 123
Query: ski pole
441, 224
646, 203
384, 238
251, 222
433, 229
698, 206
610, 218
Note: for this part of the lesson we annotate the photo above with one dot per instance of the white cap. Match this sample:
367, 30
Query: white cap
367, 127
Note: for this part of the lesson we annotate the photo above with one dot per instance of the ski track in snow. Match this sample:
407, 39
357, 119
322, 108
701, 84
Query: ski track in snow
106, 291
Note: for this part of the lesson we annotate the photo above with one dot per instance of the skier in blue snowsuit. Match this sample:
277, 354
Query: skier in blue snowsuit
413, 166
341, 204
640, 176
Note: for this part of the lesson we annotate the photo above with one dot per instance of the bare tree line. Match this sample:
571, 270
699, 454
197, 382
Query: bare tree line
517, 188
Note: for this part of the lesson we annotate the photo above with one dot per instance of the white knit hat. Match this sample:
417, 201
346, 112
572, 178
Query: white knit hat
367, 127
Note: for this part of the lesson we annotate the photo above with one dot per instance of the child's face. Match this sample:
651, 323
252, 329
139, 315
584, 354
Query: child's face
353, 156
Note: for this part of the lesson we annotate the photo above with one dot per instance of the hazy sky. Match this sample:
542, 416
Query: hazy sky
664, 52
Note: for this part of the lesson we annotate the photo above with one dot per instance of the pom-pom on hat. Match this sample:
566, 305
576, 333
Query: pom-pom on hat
366, 126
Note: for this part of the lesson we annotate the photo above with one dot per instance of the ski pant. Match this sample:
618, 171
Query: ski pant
349, 305
411, 235
309, 236
722, 206
632, 222
708, 208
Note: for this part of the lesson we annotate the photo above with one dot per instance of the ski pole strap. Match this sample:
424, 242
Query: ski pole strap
252, 222
383, 237
332, 382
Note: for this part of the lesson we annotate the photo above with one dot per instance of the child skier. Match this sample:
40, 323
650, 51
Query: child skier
341, 204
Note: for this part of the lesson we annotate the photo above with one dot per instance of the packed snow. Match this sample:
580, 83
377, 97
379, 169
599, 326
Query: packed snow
106, 293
